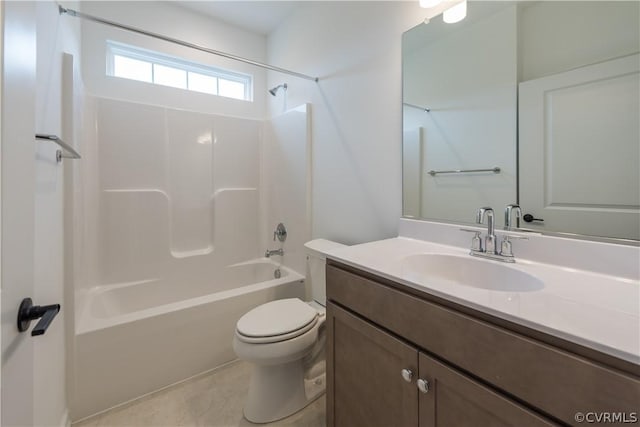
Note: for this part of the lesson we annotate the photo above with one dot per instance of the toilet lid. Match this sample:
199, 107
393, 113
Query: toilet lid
276, 318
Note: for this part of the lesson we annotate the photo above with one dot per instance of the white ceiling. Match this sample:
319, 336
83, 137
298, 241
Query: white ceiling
260, 17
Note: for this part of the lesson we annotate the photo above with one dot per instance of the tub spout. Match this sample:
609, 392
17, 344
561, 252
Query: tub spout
270, 253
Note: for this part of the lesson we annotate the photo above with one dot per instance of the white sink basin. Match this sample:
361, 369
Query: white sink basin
468, 271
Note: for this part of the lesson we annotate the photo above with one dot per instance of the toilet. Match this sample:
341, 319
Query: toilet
284, 340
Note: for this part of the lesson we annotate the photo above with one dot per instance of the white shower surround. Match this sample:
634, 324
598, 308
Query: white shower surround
178, 193
177, 209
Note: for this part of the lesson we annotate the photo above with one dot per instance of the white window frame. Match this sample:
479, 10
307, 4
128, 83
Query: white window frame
133, 52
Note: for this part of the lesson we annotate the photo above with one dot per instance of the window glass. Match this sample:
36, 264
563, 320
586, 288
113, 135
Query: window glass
130, 68
135, 63
231, 89
203, 83
169, 76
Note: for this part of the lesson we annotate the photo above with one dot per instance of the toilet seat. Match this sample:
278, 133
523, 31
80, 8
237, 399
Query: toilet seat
276, 321
277, 338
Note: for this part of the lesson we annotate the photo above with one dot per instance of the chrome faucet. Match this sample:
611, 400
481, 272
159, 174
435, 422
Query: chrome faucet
505, 247
270, 253
488, 250
490, 238
508, 214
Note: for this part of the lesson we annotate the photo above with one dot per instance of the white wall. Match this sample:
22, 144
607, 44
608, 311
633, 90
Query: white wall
55, 35
173, 21
356, 120
582, 33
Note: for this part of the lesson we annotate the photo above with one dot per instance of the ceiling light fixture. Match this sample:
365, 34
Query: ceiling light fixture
452, 10
456, 13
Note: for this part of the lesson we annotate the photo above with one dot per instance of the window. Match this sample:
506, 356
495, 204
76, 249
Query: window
129, 62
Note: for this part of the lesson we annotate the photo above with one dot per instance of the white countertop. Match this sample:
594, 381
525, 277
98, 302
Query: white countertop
594, 310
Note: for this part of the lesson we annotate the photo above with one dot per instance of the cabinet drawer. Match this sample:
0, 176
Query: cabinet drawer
554, 381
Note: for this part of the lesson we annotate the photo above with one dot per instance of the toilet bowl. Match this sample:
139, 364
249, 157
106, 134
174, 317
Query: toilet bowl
284, 340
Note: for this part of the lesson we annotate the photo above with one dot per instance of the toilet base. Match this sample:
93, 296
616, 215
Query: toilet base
277, 391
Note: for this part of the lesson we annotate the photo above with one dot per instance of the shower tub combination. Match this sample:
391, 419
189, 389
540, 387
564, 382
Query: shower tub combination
189, 224
135, 338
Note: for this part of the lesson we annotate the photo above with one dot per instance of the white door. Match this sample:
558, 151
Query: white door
579, 150
17, 206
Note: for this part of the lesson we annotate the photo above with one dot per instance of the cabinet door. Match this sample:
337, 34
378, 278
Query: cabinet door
365, 386
455, 400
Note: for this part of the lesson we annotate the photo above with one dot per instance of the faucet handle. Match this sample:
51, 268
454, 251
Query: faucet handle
280, 233
476, 241
505, 247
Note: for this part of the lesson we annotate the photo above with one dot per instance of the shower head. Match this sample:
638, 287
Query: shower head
275, 89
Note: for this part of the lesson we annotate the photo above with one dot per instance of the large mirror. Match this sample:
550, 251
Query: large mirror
534, 103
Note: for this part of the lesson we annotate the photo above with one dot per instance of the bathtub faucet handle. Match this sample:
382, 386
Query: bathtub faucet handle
280, 233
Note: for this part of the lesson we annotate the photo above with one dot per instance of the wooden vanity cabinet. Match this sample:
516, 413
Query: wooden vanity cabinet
367, 366
477, 374
367, 387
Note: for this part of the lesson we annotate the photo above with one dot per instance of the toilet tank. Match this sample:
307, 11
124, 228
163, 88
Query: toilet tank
316, 260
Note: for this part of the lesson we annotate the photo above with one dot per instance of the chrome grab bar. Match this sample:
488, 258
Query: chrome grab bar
70, 152
494, 170
425, 109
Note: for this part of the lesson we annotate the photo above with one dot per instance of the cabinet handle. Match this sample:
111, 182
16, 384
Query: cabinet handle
407, 375
423, 385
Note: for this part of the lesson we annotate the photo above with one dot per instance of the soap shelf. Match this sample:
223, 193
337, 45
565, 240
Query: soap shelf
67, 151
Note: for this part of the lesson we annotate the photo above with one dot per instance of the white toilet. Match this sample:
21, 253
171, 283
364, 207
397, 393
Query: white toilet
284, 339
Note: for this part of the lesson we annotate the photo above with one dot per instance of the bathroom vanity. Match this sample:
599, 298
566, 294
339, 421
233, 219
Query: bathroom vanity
405, 354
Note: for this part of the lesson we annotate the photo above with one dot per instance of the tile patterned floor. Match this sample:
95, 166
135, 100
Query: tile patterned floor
212, 400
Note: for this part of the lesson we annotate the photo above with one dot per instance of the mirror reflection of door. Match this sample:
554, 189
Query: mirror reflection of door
579, 134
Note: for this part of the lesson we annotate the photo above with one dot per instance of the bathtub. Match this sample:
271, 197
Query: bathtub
135, 338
